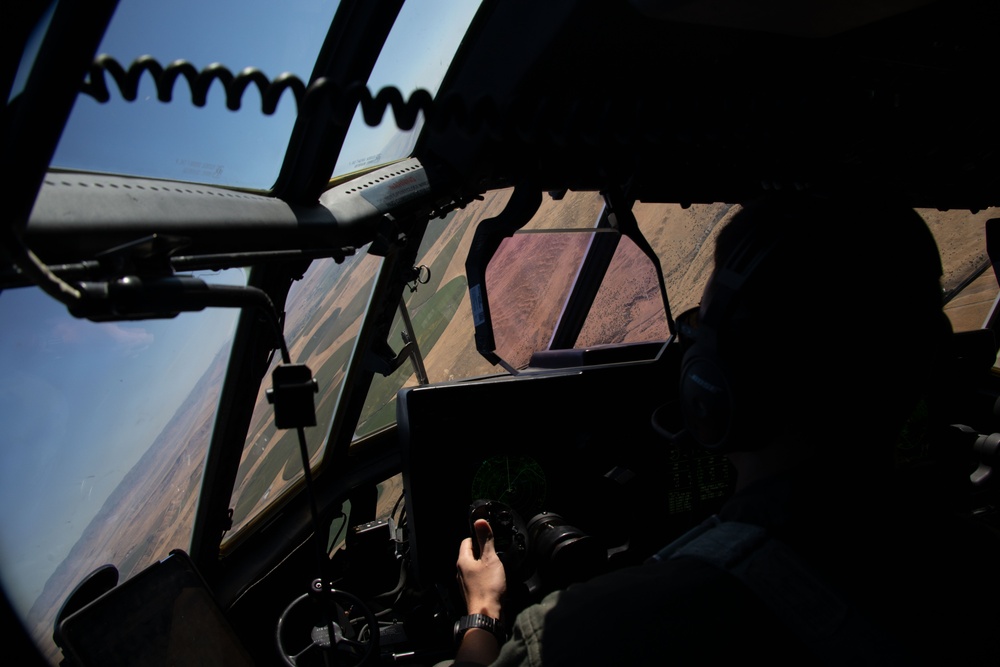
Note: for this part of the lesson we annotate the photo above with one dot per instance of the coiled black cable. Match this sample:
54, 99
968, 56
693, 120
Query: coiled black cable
199, 82
322, 94
557, 120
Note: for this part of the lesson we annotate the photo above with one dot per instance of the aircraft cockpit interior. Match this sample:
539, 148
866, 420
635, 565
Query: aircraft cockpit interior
291, 294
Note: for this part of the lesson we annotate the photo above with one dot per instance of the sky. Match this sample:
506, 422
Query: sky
79, 401
244, 148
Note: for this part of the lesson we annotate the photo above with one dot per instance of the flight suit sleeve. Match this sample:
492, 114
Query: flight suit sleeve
524, 648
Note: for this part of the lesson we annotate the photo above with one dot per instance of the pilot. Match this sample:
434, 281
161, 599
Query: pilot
814, 361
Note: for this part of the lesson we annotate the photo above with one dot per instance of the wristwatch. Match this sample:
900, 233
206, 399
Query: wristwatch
488, 623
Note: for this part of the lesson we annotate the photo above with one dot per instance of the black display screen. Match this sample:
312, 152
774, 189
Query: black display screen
165, 615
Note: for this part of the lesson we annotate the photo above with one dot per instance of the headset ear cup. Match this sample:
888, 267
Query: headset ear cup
718, 409
706, 399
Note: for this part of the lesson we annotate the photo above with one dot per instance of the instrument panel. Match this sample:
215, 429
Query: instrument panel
553, 443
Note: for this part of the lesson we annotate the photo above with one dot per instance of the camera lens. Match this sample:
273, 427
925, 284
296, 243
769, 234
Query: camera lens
563, 553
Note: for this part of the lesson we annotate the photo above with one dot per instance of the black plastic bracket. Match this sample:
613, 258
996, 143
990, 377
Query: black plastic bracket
291, 394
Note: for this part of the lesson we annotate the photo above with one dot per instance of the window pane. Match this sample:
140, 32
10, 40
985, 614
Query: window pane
416, 55
969, 283
177, 139
532, 274
324, 312
629, 305
439, 311
529, 281
684, 240
439, 307
106, 427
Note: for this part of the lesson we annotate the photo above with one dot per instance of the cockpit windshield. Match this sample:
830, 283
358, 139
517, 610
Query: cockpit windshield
472, 225
209, 92
92, 411
105, 425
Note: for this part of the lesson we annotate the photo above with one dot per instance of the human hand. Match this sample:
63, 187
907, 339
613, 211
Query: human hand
483, 580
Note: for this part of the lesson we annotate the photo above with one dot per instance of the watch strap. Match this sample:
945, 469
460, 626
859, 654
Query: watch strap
482, 621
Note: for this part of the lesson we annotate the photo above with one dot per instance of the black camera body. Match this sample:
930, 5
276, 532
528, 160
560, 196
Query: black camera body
510, 537
546, 553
